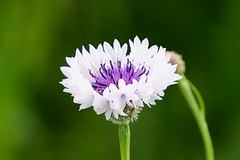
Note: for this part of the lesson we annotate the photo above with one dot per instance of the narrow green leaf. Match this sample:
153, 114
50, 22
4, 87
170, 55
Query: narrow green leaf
198, 96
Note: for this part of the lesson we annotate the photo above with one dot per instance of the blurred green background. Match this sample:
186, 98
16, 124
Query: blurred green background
38, 121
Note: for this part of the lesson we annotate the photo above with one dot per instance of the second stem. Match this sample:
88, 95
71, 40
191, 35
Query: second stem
187, 92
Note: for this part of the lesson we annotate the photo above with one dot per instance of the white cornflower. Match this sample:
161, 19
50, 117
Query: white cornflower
118, 84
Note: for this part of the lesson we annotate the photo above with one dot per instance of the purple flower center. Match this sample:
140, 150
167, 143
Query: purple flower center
113, 73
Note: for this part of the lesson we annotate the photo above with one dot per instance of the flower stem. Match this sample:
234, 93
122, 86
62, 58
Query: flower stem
124, 140
198, 115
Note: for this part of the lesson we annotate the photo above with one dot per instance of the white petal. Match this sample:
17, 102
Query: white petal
140, 52
100, 102
100, 110
108, 114
66, 71
109, 51
115, 114
121, 84
122, 113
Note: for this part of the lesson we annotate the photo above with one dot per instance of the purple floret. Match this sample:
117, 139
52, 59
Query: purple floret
112, 74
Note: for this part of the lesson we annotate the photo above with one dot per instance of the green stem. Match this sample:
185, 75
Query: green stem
199, 117
124, 140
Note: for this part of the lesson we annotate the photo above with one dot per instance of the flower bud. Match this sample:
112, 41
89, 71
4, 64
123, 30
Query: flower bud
177, 59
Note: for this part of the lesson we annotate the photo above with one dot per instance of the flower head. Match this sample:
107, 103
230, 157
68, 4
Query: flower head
118, 84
